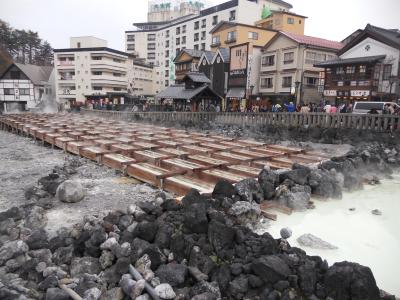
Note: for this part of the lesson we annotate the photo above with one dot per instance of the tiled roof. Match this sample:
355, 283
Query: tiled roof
313, 41
198, 77
36, 74
347, 61
178, 91
390, 34
225, 54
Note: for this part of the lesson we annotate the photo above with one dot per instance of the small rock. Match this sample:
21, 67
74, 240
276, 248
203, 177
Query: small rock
376, 212
352, 209
286, 233
92, 294
70, 192
309, 240
165, 291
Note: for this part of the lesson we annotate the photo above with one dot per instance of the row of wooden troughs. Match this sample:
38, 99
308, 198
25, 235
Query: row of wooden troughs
170, 159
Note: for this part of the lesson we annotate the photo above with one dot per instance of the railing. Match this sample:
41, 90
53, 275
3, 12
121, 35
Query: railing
378, 123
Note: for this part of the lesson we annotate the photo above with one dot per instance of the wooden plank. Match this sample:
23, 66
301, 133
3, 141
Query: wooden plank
149, 156
215, 146
232, 157
245, 170
215, 175
265, 205
149, 173
289, 150
61, 142
271, 164
192, 149
117, 161
75, 146
124, 149
181, 164
172, 152
181, 185
207, 161
94, 153
105, 144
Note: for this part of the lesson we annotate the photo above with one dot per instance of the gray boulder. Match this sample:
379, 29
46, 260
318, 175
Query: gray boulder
245, 212
249, 190
296, 197
11, 250
286, 233
56, 294
270, 269
173, 274
165, 291
70, 192
268, 181
312, 241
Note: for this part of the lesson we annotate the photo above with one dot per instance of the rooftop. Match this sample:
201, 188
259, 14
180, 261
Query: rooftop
350, 61
37, 74
313, 41
92, 49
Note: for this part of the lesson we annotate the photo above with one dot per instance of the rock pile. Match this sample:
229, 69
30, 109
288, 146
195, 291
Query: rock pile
187, 250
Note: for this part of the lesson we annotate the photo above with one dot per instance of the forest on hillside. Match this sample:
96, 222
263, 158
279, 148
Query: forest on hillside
25, 46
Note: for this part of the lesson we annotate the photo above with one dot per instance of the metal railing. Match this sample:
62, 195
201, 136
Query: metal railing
371, 122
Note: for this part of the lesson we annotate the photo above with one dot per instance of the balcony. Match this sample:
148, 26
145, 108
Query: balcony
269, 86
215, 44
230, 40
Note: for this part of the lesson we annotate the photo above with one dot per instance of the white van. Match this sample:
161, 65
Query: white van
365, 106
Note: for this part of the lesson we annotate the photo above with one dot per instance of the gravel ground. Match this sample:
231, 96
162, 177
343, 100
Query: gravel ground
23, 162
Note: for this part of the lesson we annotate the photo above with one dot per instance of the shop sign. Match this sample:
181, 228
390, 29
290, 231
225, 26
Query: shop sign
330, 93
359, 93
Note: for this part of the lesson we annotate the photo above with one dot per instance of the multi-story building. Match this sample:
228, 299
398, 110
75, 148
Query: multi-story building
367, 68
160, 42
166, 10
287, 67
187, 61
284, 21
140, 79
89, 70
25, 86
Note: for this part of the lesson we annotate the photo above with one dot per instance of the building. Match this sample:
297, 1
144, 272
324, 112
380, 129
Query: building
284, 21
141, 79
89, 70
215, 65
166, 10
160, 42
187, 61
193, 94
287, 70
24, 87
367, 67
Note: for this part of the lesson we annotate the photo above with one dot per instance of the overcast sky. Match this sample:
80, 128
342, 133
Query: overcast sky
57, 20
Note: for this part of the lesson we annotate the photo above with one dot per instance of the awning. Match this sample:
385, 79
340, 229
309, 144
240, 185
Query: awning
236, 93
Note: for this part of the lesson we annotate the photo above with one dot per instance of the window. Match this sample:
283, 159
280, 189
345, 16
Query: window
166, 73
167, 53
339, 70
97, 73
117, 60
288, 58
203, 46
238, 53
166, 83
362, 69
79, 45
196, 47
216, 41
268, 60
151, 46
290, 20
196, 25
203, 23
167, 34
151, 55
311, 81
267, 83
184, 40
232, 15
340, 83
184, 29
130, 38
24, 92
117, 74
151, 37
314, 57
299, 21
231, 37
215, 20
253, 35
178, 41
167, 44
131, 47
167, 63
387, 72
350, 69
96, 58
203, 35
178, 30
177, 51
9, 91
287, 81
196, 37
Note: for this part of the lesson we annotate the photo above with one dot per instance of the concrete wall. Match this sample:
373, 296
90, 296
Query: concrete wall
87, 42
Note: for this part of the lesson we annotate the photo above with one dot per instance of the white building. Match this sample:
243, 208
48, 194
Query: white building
166, 10
89, 70
141, 79
24, 87
159, 42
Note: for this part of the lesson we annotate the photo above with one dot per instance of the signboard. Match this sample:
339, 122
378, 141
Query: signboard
359, 93
330, 93
238, 66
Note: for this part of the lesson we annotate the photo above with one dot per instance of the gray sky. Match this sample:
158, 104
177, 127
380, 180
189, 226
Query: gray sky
57, 20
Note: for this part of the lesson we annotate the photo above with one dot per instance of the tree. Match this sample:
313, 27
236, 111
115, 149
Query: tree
25, 46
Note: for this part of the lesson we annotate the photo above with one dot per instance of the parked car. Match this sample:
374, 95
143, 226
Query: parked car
366, 106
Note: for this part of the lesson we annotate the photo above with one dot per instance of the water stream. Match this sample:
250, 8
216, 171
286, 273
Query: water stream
362, 237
